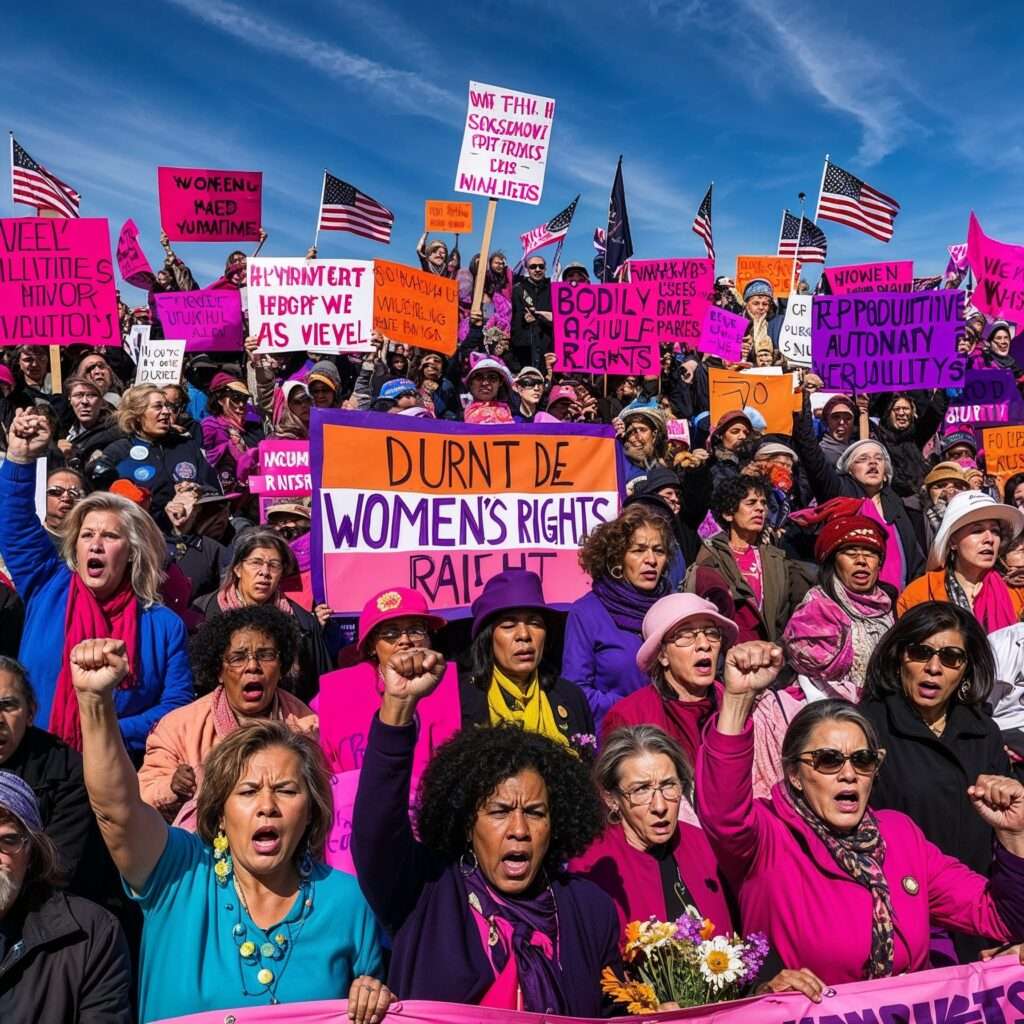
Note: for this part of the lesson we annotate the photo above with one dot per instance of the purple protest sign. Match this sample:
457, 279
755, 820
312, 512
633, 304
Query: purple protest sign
887, 341
131, 260
722, 334
208, 320
989, 398
683, 290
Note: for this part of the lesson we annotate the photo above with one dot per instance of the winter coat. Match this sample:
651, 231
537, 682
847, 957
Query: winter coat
531, 340
814, 914
909, 465
932, 587
225, 447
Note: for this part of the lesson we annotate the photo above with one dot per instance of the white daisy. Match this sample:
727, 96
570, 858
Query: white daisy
719, 961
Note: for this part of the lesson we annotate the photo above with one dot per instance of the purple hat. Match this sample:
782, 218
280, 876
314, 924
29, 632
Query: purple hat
17, 796
396, 603
513, 588
669, 612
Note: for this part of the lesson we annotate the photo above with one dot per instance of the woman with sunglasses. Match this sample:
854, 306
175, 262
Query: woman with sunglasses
928, 682
844, 891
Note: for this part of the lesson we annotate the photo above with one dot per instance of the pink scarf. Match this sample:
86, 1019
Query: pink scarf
228, 600
993, 607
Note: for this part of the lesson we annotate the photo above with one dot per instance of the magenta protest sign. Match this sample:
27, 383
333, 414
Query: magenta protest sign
210, 206
131, 260
894, 276
999, 268
284, 470
683, 290
887, 341
988, 398
722, 334
57, 282
209, 320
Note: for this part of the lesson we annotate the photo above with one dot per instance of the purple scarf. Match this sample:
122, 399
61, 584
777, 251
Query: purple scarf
539, 972
624, 603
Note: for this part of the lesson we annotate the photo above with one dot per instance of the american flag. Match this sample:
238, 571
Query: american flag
546, 234
813, 244
344, 208
702, 222
33, 185
848, 200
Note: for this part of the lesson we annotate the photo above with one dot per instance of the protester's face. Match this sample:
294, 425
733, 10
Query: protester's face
642, 778
290, 527
638, 439
691, 669
518, 642
857, 568
868, 468
431, 369
102, 552
626, 391
977, 544
177, 399
498, 263
841, 799
930, 685
259, 575
14, 715
645, 557
839, 424
901, 414
158, 416
85, 404
163, 278
250, 672
322, 394
758, 305
560, 409
485, 385
999, 341
575, 277
671, 495
750, 513
268, 811
1018, 496
958, 452
63, 492
98, 371
531, 388
1014, 558
763, 357
299, 405
13, 866
406, 633
438, 256
734, 435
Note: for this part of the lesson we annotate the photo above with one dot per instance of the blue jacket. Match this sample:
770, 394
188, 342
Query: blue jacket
43, 580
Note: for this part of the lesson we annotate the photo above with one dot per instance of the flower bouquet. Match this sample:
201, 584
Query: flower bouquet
679, 962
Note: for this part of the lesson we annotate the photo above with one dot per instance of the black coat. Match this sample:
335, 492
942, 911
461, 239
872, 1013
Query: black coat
926, 777
68, 963
909, 465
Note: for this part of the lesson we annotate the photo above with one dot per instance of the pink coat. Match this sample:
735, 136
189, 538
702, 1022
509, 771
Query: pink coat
816, 916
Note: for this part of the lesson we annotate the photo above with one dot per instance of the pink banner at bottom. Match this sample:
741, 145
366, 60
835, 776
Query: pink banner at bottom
990, 993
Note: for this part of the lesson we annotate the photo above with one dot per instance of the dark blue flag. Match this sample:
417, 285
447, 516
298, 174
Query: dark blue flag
619, 243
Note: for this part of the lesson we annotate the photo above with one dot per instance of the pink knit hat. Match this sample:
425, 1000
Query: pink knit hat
668, 613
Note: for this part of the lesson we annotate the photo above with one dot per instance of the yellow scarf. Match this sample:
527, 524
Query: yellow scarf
530, 710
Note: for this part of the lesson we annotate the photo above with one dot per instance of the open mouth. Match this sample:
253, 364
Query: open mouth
662, 828
266, 840
929, 691
848, 800
253, 691
94, 567
516, 864
704, 666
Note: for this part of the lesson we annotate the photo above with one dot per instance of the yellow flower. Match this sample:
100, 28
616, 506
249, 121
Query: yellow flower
220, 844
222, 869
644, 999
640, 998
247, 949
719, 962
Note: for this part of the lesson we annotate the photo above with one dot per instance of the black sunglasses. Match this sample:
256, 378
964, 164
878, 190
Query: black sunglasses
830, 762
951, 657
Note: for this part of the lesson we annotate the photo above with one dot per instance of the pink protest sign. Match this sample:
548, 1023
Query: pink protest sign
683, 290
131, 260
894, 276
999, 268
977, 993
284, 470
57, 282
722, 334
209, 320
199, 205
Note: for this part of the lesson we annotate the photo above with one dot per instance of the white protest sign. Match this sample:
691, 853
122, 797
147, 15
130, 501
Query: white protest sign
319, 306
137, 337
505, 144
795, 336
160, 361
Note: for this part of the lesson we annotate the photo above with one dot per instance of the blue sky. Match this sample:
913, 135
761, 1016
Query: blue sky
926, 107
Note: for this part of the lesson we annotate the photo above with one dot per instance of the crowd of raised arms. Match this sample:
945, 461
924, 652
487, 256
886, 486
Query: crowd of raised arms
790, 702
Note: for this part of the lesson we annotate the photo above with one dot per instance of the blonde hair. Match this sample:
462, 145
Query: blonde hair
146, 543
133, 406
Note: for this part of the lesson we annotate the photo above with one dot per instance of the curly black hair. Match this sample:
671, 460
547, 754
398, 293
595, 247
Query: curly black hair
726, 497
465, 771
207, 648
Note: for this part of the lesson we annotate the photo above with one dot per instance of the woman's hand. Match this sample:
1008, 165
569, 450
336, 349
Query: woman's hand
751, 667
368, 1000
1000, 802
309, 724
183, 782
97, 666
323, 612
801, 980
29, 436
408, 676
991, 954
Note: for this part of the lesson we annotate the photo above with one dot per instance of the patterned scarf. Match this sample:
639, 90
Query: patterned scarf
870, 618
861, 854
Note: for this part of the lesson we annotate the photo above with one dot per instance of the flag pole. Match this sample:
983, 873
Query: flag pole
319, 211
56, 376
11, 134
485, 252
799, 238
821, 188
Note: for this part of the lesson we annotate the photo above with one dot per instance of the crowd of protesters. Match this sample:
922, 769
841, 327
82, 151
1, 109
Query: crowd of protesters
791, 701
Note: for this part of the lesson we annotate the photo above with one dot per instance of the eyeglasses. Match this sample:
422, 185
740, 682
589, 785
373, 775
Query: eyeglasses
530, 383
828, 761
13, 842
688, 637
536, 266
951, 657
390, 634
56, 491
270, 564
641, 796
265, 656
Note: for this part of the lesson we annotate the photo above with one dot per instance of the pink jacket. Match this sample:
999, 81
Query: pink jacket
815, 916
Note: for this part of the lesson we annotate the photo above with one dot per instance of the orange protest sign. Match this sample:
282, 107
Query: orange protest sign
415, 307
777, 269
1004, 452
772, 397
448, 218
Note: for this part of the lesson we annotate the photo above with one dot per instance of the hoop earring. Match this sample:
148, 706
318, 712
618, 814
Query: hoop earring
615, 575
614, 816
305, 865
964, 690
222, 866
464, 867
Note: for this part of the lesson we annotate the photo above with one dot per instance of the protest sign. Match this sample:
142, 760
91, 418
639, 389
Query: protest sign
795, 335
772, 396
894, 276
605, 328
415, 307
440, 507
999, 269
505, 144
983, 992
448, 217
317, 305
198, 205
209, 320
160, 361
987, 398
1004, 451
284, 470
776, 269
57, 282
722, 334
131, 260
888, 341
683, 290
137, 337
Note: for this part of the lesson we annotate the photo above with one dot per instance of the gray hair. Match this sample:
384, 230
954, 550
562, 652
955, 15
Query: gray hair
844, 460
247, 542
632, 741
810, 717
